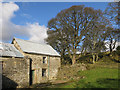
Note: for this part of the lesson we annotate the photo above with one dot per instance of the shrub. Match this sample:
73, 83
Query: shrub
118, 48
101, 55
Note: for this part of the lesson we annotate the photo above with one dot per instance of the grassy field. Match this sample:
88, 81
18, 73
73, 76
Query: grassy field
98, 75
96, 78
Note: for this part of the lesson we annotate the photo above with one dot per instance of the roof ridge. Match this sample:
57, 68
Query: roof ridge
31, 41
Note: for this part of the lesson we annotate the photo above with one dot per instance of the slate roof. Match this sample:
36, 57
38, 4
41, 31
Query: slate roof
7, 49
37, 48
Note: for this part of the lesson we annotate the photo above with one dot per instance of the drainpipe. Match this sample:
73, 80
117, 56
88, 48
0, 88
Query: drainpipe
48, 65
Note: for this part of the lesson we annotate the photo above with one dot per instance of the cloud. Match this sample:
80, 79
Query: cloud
34, 31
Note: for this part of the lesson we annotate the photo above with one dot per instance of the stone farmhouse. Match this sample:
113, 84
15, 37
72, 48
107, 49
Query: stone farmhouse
25, 63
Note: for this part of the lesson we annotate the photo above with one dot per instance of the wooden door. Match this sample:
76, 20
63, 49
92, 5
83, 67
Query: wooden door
33, 76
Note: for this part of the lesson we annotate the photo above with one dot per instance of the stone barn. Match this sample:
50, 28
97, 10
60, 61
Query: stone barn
28, 62
44, 60
14, 67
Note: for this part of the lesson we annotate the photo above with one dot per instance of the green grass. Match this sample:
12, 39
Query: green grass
96, 78
98, 75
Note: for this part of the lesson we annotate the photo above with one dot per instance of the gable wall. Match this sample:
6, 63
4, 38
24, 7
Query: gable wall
37, 65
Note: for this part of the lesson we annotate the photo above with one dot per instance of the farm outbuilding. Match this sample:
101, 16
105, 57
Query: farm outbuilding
32, 62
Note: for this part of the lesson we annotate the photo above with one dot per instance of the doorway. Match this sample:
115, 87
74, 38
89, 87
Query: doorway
32, 77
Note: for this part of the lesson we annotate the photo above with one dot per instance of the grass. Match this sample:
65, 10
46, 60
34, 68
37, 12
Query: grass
97, 78
103, 74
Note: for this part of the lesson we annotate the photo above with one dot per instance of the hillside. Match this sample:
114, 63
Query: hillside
102, 74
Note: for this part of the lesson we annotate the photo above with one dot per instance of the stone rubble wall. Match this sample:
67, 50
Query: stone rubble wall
70, 72
15, 72
52, 65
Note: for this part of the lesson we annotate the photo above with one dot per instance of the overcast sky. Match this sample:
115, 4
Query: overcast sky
28, 20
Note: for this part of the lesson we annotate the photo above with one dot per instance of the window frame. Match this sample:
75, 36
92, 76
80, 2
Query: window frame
44, 61
44, 73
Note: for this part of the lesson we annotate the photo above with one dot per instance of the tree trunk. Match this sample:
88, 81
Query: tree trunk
93, 54
85, 52
110, 48
93, 58
73, 59
96, 57
62, 55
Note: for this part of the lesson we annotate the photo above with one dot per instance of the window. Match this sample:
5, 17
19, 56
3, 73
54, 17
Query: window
43, 72
44, 60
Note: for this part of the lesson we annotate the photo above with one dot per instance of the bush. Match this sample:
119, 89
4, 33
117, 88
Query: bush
85, 59
66, 60
118, 48
101, 55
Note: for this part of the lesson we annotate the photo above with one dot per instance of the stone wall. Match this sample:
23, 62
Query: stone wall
55, 64
15, 72
52, 65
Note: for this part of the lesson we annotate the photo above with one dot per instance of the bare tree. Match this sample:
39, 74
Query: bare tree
111, 39
94, 41
112, 13
113, 32
71, 25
